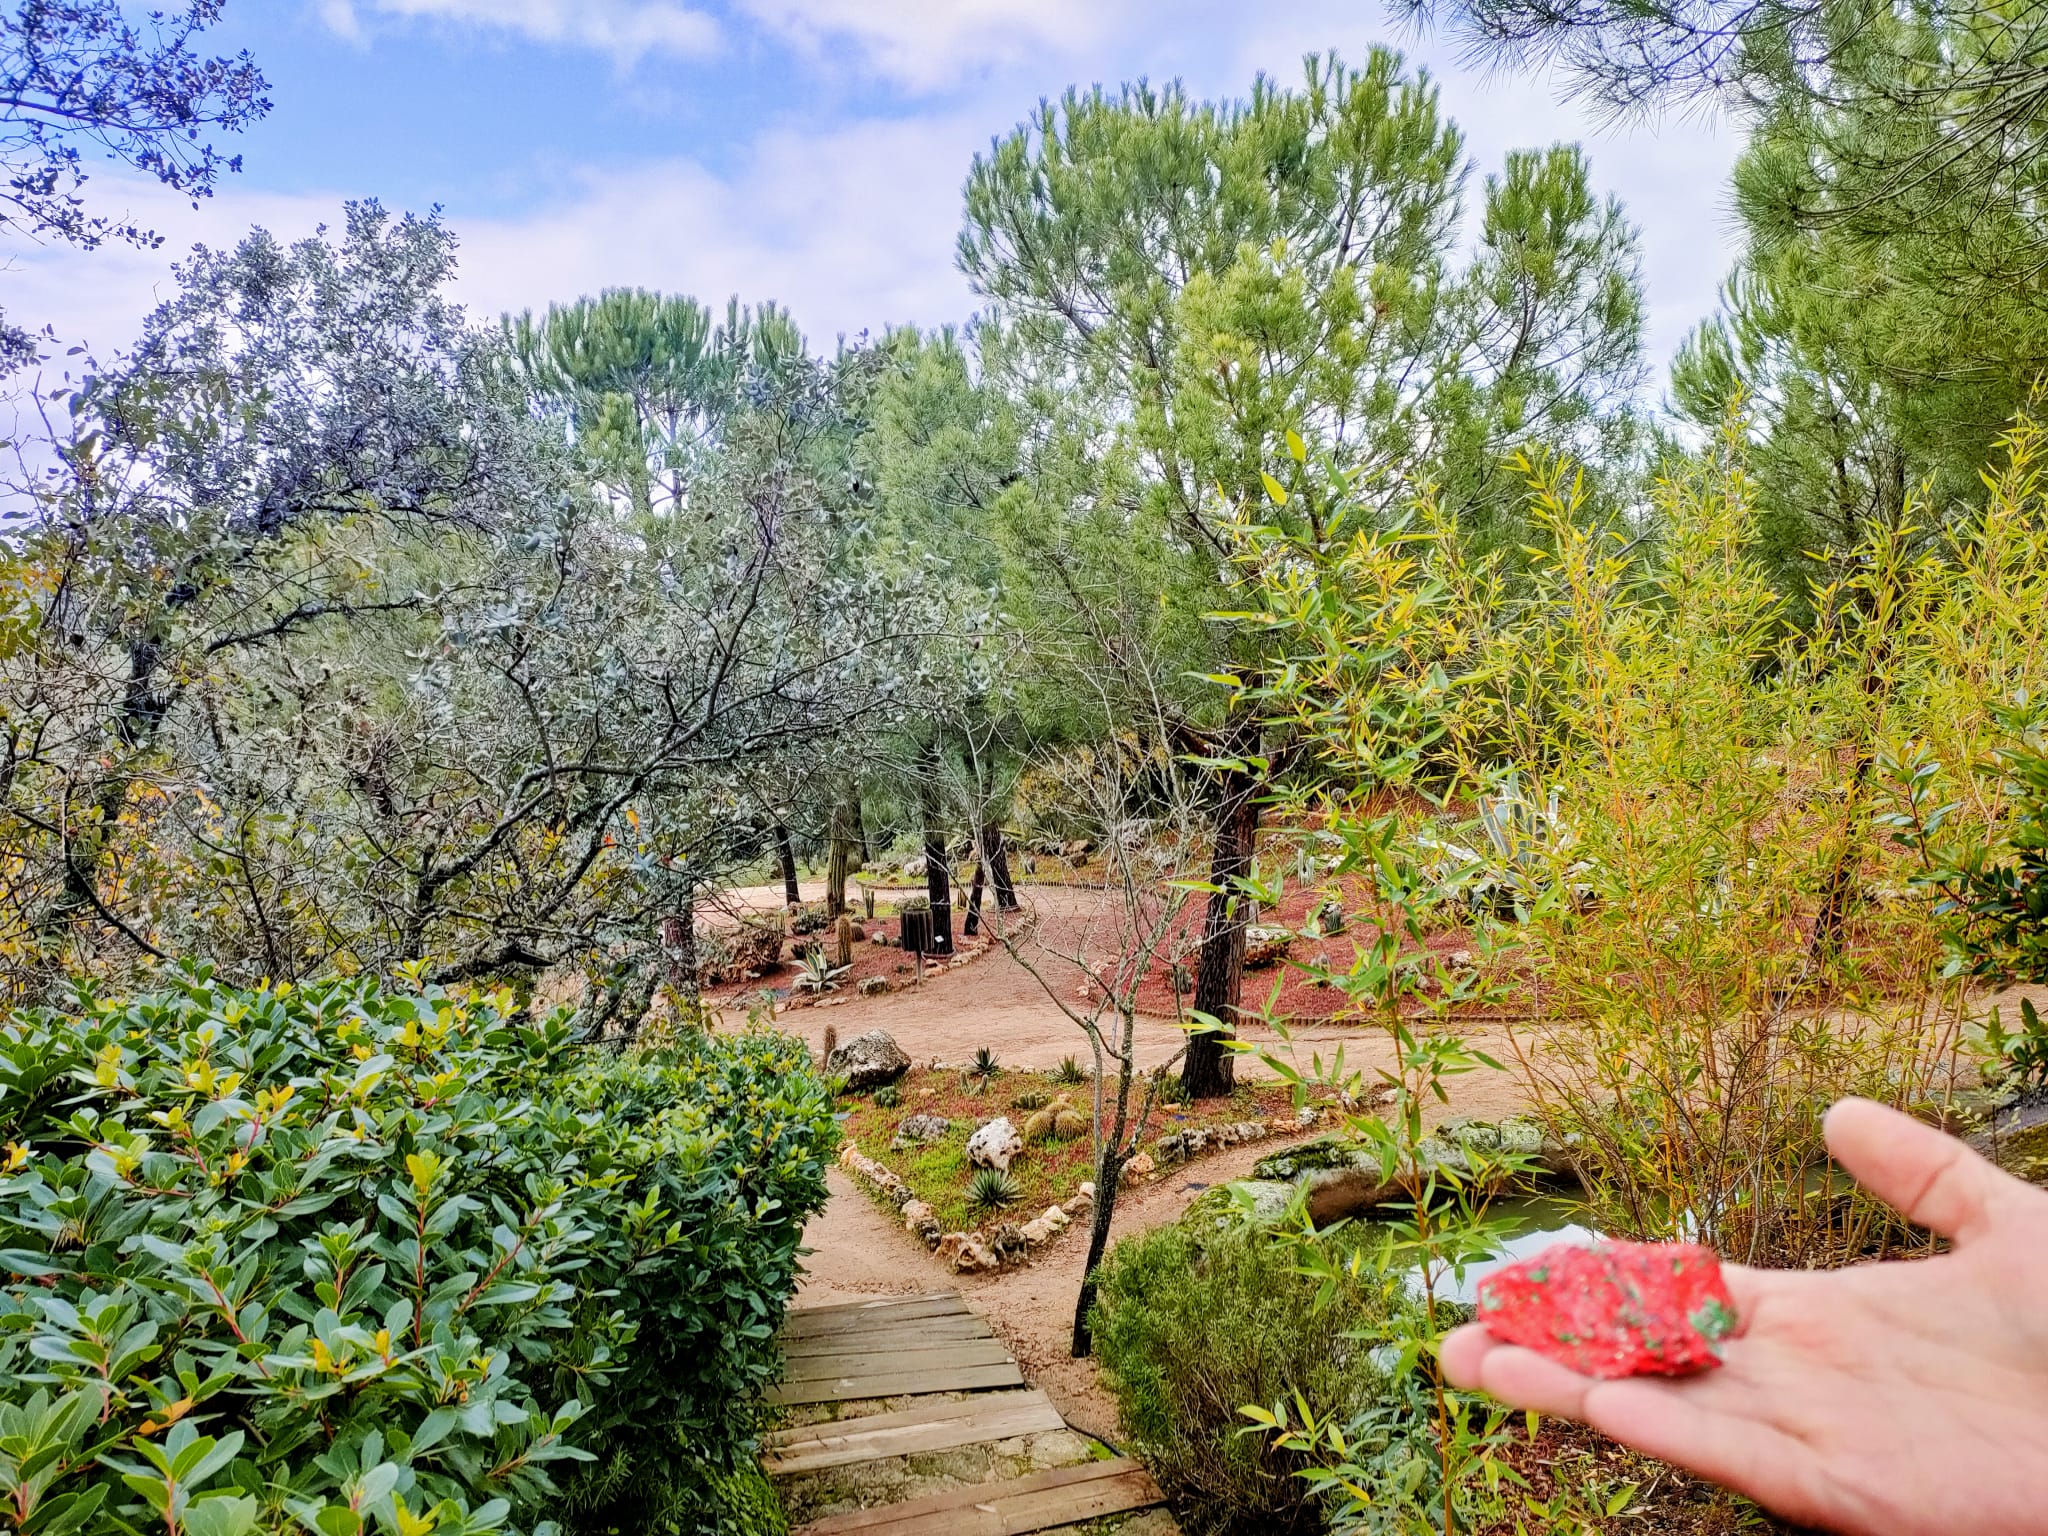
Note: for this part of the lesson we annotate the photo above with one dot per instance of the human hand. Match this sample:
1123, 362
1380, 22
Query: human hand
1896, 1399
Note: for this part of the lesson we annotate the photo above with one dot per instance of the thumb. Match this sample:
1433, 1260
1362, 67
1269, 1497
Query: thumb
1931, 1179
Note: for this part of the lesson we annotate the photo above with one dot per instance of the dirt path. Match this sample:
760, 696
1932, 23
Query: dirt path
997, 1002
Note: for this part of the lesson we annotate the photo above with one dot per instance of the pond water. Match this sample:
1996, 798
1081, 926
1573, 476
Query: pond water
1533, 1223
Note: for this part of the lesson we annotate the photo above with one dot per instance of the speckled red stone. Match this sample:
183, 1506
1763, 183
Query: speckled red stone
1615, 1309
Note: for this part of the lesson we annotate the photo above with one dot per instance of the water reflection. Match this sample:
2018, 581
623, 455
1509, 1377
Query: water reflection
1532, 1224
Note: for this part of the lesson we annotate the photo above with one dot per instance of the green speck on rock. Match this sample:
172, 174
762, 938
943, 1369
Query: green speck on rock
1714, 1321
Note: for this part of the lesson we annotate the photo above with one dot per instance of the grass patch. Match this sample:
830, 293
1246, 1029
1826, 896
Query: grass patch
1045, 1173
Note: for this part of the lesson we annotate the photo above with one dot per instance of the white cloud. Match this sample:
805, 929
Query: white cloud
850, 229
928, 45
628, 30
852, 224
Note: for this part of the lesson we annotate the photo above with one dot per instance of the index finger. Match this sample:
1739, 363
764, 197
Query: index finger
1931, 1179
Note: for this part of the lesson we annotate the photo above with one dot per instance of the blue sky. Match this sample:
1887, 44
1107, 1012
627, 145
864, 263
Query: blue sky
810, 151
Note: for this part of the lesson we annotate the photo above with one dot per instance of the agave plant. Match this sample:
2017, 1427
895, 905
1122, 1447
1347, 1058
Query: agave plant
1526, 846
1069, 1072
819, 974
985, 1065
992, 1190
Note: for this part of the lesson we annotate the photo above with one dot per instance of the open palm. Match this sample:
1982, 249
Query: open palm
1906, 1397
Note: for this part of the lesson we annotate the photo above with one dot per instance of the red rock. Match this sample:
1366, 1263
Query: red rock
1615, 1309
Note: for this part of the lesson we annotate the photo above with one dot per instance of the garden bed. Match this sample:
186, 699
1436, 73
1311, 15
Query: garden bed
877, 960
1043, 1174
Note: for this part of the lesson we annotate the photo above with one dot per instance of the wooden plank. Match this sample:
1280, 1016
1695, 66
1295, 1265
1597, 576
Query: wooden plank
917, 1413
839, 1389
922, 1331
911, 1431
859, 1360
873, 1304
806, 1322
1039, 1503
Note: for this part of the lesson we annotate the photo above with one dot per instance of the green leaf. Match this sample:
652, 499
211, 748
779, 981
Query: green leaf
1275, 491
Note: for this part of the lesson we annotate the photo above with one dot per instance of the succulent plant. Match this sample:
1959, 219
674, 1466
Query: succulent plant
888, 1096
1030, 1099
985, 1065
992, 1190
1526, 848
819, 973
1167, 1088
1069, 1072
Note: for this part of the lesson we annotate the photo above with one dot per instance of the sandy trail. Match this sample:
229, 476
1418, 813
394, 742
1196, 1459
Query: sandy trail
997, 1002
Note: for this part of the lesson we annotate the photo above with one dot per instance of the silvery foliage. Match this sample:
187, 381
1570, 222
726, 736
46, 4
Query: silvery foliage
399, 683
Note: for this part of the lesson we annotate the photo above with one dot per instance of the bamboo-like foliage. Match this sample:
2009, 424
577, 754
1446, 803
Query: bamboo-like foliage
1740, 927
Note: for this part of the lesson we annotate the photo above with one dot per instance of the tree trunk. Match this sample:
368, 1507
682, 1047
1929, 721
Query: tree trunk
1208, 1071
785, 850
1108, 1169
973, 924
679, 954
938, 872
836, 866
999, 866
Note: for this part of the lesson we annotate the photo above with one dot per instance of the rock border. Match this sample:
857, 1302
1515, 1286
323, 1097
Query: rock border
999, 1247
1011, 1243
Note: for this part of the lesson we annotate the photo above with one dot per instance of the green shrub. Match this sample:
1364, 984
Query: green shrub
1995, 891
322, 1255
1192, 1327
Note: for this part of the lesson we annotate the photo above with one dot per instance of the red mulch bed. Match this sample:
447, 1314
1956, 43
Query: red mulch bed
869, 959
1299, 997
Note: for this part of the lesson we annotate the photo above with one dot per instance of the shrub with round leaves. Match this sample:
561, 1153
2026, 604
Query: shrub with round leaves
342, 1258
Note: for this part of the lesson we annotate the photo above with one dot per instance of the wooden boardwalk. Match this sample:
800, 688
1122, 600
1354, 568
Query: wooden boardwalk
916, 1394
